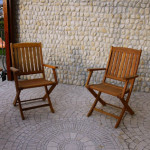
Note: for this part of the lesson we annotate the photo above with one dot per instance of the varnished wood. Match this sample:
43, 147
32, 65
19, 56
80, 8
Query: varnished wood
49, 91
30, 100
122, 66
95, 95
34, 83
89, 77
106, 113
129, 66
95, 69
34, 107
27, 59
118, 63
49, 101
20, 106
108, 88
94, 104
31, 58
35, 59
49, 66
130, 77
114, 64
113, 105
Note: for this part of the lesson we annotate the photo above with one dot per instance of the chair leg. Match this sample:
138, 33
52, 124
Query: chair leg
20, 107
49, 101
94, 104
95, 95
125, 103
120, 117
49, 91
15, 100
128, 108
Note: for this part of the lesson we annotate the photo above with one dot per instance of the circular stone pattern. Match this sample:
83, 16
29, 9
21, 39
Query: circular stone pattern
66, 135
70, 141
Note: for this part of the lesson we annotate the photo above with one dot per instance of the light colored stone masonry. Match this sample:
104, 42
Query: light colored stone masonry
78, 34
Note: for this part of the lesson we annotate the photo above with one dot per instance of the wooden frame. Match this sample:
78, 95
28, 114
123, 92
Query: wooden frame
27, 59
122, 65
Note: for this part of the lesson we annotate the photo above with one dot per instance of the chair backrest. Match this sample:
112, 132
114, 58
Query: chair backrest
122, 62
27, 57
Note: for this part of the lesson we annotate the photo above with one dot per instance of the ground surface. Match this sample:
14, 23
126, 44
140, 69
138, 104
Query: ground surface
69, 128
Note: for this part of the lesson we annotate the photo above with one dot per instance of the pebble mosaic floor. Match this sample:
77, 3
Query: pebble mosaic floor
69, 128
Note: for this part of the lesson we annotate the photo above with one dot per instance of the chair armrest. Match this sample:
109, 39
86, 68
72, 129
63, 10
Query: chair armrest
49, 66
13, 69
54, 71
130, 77
95, 69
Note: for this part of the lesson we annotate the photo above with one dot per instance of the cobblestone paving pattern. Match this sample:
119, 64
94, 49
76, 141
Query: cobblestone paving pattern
69, 128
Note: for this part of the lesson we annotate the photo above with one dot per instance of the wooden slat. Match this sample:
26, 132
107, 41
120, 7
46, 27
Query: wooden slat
106, 88
115, 78
89, 77
127, 50
35, 58
38, 57
34, 83
33, 107
31, 58
114, 106
16, 58
129, 65
133, 65
30, 100
122, 64
118, 63
107, 67
125, 66
114, 64
41, 56
21, 45
31, 72
106, 113
20, 59
27, 58
111, 63
136, 65
24, 61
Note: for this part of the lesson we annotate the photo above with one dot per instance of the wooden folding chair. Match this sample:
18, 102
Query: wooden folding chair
26, 60
122, 66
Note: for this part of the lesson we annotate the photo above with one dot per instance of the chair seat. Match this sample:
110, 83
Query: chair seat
108, 89
34, 83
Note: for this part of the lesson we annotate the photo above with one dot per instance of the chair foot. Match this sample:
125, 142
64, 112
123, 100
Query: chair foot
89, 113
15, 100
22, 117
50, 104
92, 108
132, 113
52, 110
14, 103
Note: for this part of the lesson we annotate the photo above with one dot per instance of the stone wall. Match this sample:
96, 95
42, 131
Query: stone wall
78, 34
